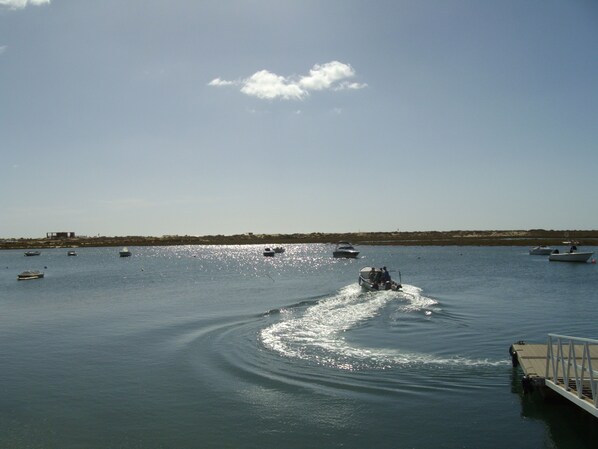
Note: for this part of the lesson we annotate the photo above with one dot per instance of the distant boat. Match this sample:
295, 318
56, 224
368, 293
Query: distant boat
541, 250
71, 253
269, 252
125, 252
32, 253
570, 256
279, 250
346, 250
28, 275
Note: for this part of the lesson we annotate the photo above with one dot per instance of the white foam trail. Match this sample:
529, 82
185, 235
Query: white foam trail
415, 300
317, 334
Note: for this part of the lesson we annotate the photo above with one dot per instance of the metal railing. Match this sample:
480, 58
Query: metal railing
571, 363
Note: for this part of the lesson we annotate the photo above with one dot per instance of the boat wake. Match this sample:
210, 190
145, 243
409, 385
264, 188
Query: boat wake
317, 332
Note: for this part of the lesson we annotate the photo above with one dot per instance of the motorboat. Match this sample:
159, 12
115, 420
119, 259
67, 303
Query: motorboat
71, 253
28, 275
32, 253
541, 250
269, 252
346, 250
125, 252
570, 256
278, 250
371, 279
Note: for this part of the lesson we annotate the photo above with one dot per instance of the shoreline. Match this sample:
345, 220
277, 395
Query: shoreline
415, 238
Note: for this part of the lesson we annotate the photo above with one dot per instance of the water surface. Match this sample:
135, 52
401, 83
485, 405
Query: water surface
202, 346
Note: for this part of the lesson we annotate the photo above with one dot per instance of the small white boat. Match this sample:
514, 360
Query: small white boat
269, 252
372, 279
570, 256
346, 250
541, 250
125, 252
71, 253
32, 253
28, 275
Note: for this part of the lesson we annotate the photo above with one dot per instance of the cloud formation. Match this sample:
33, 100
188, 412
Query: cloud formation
20, 4
267, 85
220, 82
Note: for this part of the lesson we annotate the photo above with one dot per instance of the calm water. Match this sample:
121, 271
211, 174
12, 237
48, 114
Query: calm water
219, 347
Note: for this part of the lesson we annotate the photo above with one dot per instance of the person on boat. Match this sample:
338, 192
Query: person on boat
372, 275
385, 278
385, 275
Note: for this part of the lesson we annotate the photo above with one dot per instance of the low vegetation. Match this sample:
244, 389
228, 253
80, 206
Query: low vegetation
440, 238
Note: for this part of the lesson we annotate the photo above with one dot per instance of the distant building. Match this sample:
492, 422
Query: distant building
60, 235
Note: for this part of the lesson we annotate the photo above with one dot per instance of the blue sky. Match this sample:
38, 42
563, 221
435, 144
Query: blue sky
186, 117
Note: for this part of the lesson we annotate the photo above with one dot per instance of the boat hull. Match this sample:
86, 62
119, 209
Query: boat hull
29, 275
347, 254
372, 287
570, 257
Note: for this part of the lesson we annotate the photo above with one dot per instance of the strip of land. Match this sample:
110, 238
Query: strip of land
430, 238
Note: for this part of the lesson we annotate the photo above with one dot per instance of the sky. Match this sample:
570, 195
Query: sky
179, 117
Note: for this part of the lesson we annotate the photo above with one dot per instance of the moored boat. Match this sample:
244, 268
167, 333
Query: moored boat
32, 253
28, 275
371, 278
570, 256
71, 253
346, 250
269, 252
125, 252
279, 250
541, 250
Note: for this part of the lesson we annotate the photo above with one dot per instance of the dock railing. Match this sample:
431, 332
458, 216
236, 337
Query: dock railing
569, 369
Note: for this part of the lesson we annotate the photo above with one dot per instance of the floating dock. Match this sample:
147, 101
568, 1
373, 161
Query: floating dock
566, 365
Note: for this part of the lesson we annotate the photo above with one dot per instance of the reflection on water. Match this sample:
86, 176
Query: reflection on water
569, 427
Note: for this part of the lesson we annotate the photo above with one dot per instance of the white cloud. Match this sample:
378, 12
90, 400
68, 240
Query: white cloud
264, 84
220, 82
20, 4
352, 86
323, 76
267, 85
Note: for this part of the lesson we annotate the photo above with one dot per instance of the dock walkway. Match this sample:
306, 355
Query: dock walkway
566, 365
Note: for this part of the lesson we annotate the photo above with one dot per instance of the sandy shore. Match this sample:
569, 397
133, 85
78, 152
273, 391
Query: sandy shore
438, 238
